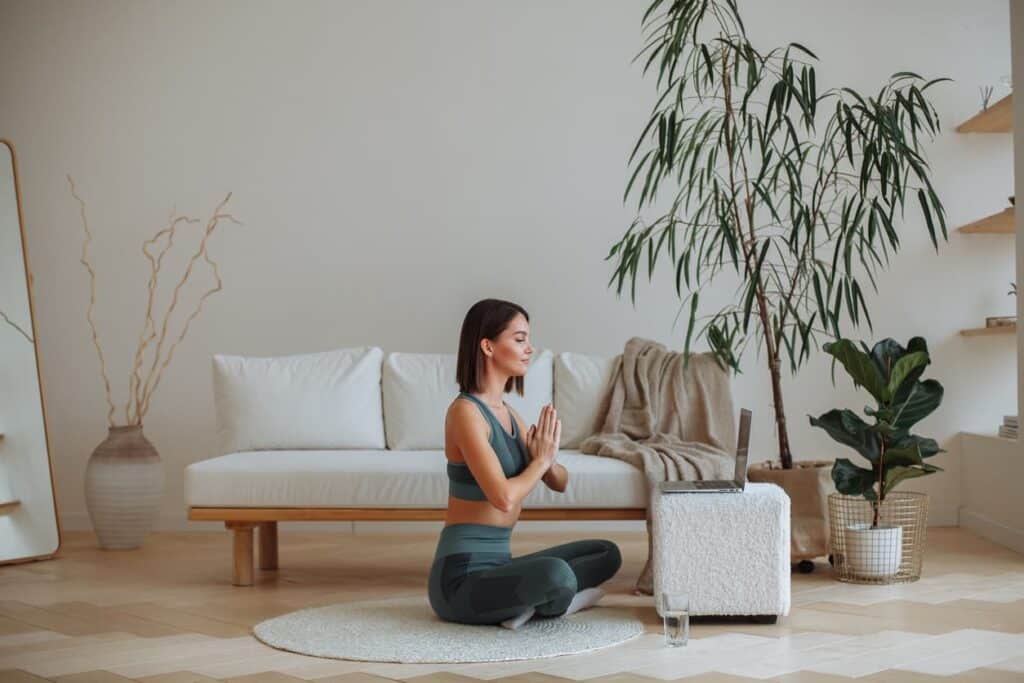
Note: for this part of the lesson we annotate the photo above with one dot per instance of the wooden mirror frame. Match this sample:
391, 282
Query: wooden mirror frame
35, 349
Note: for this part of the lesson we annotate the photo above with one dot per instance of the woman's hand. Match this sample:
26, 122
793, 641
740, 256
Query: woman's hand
542, 438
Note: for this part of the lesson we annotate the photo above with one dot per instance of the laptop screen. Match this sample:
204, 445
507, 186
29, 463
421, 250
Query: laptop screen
742, 444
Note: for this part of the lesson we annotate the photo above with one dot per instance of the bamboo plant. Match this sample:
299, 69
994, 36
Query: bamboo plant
795, 191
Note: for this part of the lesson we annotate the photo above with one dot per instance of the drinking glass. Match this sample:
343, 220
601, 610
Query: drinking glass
675, 614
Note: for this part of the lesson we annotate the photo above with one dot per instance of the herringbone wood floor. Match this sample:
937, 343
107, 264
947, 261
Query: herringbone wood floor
166, 613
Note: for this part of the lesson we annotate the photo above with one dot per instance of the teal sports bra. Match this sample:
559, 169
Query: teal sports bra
508, 447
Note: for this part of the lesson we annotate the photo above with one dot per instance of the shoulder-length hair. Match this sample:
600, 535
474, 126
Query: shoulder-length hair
486, 319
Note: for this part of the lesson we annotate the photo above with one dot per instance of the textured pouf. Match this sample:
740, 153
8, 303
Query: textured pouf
729, 552
406, 630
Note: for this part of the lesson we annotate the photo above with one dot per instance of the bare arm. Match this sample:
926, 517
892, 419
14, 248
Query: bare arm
470, 431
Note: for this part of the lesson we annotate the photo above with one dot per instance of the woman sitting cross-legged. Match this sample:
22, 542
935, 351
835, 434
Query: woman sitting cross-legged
494, 462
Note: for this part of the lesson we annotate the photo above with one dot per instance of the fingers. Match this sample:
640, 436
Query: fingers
547, 419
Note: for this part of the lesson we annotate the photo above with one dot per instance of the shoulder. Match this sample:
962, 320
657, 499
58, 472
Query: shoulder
462, 411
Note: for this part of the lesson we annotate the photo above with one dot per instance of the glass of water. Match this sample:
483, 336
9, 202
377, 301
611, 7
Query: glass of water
675, 614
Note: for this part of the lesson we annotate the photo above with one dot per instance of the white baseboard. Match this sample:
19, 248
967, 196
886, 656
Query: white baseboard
992, 530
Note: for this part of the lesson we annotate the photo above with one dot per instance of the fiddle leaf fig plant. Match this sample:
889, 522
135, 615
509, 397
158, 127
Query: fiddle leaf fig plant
892, 375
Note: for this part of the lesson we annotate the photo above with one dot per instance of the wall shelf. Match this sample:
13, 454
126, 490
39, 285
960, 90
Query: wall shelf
986, 331
8, 505
996, 119
1001, 223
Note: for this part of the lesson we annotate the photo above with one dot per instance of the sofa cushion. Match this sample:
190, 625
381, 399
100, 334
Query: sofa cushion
328, 400
387, 479
581, 381
417, 389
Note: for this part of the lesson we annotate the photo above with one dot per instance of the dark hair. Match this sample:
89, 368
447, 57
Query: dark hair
486, 319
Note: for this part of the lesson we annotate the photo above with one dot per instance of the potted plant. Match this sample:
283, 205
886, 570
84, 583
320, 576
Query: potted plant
124, 478
868, 536
789, 191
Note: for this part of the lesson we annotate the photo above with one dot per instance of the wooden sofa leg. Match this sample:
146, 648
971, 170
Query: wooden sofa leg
268, 545
242, 553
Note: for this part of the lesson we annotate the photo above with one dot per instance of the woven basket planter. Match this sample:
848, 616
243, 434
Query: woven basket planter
892, 552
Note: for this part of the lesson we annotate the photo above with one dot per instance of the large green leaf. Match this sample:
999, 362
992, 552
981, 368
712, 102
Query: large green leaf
902, 456
885, 354
903, 369
915, 345
924, 398
925, 446
859, 366
895, 475
852, 480
845, 427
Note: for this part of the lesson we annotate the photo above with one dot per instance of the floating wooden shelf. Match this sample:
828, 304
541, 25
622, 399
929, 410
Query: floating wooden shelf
1001, 223
8, 505
996, 119
985, 331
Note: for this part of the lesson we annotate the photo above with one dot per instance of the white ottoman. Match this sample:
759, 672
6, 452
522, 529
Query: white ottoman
729, 552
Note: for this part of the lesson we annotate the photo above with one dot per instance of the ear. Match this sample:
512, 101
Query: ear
487, 347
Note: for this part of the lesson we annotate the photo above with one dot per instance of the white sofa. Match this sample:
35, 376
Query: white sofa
353, 434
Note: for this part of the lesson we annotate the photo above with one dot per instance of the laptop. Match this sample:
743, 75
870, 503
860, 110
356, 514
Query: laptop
739, 480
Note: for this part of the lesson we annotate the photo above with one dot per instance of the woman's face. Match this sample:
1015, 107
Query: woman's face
511, 351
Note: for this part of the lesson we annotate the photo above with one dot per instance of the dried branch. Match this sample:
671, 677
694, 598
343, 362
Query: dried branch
84, 260
15, 326
140, 391
154, 374
149, 326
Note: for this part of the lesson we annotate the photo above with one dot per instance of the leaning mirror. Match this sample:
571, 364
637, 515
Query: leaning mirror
29, 529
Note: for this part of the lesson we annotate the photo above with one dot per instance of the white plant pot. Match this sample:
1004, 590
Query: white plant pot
874, 553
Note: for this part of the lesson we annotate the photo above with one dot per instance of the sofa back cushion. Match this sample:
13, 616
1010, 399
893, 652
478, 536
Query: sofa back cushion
581, 381
417, 389
328, 400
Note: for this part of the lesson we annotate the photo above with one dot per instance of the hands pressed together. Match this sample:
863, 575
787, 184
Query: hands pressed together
542, 438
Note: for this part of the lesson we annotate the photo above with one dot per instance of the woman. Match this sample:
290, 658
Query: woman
494, 462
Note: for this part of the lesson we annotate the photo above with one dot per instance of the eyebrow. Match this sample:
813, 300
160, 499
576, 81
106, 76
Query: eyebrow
520, 332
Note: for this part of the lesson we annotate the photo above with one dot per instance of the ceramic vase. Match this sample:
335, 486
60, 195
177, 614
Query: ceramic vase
124, 484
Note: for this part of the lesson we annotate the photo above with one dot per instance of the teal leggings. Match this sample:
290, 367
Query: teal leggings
475, 579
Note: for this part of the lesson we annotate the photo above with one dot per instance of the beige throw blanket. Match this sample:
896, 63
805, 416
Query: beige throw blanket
671, 421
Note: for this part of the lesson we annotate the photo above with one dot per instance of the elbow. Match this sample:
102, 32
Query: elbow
503, 501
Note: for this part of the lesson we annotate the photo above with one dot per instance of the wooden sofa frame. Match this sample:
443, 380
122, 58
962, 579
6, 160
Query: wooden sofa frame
243, 521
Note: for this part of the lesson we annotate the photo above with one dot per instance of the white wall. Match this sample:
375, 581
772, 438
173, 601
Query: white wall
393, 162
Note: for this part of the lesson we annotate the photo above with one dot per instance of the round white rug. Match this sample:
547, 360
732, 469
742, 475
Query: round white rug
406, 630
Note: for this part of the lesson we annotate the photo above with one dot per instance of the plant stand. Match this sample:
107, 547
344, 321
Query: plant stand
892, 552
